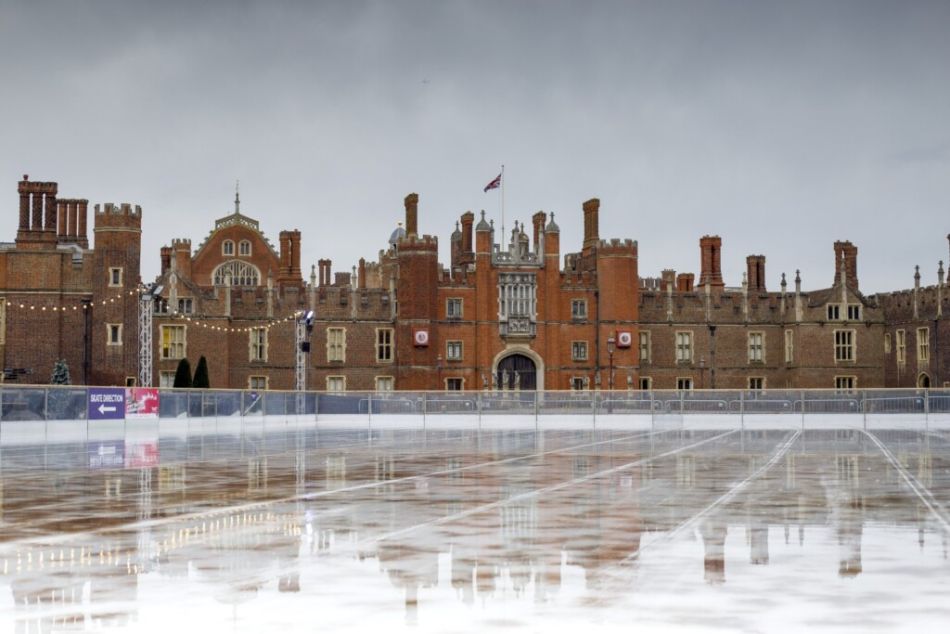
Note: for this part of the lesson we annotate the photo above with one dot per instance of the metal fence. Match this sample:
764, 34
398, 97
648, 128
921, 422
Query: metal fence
24, 403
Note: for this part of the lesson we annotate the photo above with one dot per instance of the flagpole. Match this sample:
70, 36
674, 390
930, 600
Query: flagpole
503, 204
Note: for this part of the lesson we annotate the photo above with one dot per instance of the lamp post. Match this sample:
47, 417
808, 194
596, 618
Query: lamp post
438, 369
611, 346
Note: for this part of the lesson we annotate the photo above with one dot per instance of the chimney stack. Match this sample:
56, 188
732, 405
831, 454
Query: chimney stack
62, 213
591, 226
284, 254
667, 279
23, 189
538, 220
295, 271
412, 215
324, 266
710, 248
38, 219
43, 214
846, 255
468, 219
755, 272
684, 282
82, 210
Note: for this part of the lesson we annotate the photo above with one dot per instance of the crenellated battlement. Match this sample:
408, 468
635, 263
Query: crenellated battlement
122, 216
905, 297
123, 209
419, 243
616, 246
181, 244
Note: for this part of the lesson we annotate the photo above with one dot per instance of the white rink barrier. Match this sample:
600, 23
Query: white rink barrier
19, 433
53, 414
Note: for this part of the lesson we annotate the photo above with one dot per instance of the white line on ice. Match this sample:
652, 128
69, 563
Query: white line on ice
922, 492
723, 499
529, 494
226, 510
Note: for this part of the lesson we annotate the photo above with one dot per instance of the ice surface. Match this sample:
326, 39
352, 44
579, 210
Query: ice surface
298, 527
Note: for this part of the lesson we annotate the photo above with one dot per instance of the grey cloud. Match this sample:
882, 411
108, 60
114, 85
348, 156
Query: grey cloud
780, 126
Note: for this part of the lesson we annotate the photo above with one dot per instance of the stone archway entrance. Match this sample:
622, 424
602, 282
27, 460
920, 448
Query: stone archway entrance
923, 381
517, 372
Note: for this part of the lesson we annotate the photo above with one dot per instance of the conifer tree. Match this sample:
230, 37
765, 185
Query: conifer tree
183, 374
201, 374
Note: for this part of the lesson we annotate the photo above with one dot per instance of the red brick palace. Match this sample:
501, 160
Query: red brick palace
509, 311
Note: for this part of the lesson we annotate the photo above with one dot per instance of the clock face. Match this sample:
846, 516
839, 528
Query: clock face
624, 339
421, 338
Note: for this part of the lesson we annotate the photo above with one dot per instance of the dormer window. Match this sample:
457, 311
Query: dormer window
227, 247
244, 248
849, 312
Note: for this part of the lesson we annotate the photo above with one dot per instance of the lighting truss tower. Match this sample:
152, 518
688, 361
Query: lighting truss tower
145, 338
300, 330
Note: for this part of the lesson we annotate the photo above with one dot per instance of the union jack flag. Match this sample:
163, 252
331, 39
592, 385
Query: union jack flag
495, 184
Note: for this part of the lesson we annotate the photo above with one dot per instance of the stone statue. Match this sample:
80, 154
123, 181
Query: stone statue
504, 379
517, 380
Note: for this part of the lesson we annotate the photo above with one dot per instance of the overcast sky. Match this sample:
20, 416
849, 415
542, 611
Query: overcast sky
779, 126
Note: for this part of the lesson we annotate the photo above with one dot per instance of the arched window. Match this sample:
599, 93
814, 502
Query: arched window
227, 247
241, 273
244, 248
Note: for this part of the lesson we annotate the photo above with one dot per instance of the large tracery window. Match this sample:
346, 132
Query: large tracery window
517, 304
241, 274
517, 295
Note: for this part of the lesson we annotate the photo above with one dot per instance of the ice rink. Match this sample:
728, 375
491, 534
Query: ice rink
324, 527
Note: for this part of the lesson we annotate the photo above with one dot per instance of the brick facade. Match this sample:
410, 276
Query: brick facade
61, 296
509, 311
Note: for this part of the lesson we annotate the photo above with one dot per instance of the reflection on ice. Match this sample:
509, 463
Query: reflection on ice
693, 528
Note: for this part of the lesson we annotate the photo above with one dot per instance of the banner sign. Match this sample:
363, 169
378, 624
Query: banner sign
141, 402
106, 403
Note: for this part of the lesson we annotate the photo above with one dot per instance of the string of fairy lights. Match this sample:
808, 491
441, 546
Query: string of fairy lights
209, 323
73, 307
203, 323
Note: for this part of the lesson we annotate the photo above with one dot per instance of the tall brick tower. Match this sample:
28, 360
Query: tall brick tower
619, 298
115, 277
417, 304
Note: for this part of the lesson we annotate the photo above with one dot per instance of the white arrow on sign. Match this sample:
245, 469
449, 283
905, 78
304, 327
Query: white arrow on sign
103, 409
